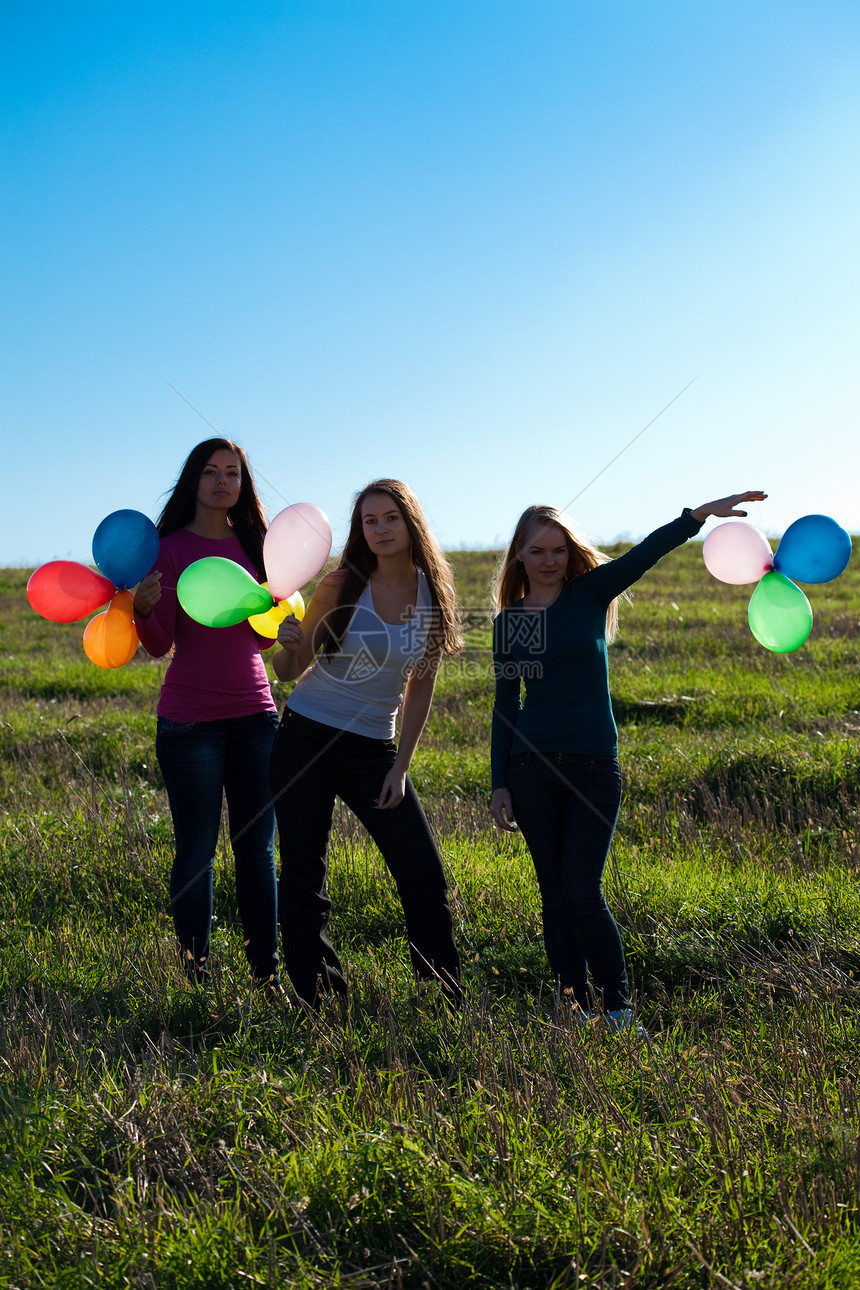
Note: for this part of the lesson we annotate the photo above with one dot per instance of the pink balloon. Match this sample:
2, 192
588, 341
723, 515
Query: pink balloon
737, 553
295, 548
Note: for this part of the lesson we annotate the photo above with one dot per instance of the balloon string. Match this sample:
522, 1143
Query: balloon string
638, 435
259, 474
575, 498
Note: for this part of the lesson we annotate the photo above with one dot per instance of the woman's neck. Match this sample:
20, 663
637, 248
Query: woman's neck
394, 570
210, 523
541, 597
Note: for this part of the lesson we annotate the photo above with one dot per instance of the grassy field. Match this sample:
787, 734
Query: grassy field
153, 1138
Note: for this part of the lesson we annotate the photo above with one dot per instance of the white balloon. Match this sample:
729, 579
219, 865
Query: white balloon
296, 547
737, 553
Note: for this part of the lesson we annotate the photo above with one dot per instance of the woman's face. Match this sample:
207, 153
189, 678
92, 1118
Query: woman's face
545, 556
383, 525
220, 481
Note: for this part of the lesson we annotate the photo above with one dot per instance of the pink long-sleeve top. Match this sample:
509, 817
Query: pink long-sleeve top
215, 672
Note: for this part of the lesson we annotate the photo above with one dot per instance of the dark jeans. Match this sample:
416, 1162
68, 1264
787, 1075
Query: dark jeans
200, 762
566, 807
311, 765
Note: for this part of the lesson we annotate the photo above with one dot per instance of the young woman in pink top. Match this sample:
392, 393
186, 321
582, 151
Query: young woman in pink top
216, 716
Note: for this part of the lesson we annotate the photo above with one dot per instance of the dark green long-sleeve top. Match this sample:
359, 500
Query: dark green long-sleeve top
558, 655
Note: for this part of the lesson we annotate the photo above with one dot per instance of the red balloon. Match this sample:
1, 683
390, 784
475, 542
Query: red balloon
65, 591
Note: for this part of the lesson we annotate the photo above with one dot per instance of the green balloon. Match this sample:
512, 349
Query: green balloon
220, 593
780, 616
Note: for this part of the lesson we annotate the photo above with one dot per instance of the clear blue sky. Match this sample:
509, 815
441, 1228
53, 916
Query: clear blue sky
476, 244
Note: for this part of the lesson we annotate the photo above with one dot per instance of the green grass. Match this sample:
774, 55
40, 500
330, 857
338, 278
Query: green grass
150, 1137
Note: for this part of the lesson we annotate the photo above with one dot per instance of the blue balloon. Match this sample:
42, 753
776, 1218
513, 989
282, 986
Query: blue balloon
125, 546
813, 549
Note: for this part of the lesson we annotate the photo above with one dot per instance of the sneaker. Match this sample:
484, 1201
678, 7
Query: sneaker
622, 1021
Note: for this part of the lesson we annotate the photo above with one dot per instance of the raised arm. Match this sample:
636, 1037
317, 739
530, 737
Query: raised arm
610, 580
301, 641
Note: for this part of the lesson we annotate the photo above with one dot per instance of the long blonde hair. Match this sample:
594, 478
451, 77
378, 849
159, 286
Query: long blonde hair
511, 582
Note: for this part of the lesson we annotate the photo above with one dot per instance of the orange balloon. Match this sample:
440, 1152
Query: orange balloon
110, 639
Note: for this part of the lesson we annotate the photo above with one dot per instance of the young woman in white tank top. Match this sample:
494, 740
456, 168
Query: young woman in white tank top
369, 647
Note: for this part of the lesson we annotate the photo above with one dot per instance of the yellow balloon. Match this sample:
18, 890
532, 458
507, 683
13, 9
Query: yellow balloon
267, 624
296, 605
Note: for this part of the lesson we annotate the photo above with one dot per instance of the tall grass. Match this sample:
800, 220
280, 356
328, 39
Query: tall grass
154, 1137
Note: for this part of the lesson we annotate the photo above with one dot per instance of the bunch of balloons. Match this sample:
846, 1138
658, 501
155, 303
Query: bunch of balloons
812, 549
125, 546
220, 593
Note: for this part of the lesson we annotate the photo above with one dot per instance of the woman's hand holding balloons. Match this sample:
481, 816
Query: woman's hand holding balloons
148, 593
290, 635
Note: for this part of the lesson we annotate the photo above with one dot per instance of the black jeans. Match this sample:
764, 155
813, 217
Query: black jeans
567, 807
312, 764
201, 761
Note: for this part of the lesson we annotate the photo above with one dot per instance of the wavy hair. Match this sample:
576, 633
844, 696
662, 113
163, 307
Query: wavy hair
359, 562
511, 582
247, 517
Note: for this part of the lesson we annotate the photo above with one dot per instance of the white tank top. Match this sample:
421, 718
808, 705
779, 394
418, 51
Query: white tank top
361, 687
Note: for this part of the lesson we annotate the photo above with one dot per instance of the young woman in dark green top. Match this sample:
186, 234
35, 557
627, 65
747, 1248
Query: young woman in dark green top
554, 749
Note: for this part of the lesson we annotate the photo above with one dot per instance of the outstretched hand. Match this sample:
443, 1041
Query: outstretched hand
724, 507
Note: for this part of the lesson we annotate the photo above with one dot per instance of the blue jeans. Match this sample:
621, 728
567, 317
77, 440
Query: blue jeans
566, 807
312, 764
201, 761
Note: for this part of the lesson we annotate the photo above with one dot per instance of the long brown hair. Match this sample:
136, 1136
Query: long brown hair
359, 562
247, 517
511, 582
